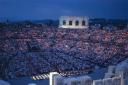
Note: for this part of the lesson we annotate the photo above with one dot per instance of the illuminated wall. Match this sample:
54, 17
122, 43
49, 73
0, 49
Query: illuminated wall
73, 22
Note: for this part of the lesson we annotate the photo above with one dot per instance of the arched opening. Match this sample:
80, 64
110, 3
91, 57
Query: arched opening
70, 22
64, 22
77, 23
83, 23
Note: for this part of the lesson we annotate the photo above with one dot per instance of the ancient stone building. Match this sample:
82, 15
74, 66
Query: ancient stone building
73, 22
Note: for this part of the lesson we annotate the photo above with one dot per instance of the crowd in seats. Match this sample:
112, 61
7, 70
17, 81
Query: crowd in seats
43, 50
28, 64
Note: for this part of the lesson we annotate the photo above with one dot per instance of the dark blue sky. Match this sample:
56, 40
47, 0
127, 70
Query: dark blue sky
53, 9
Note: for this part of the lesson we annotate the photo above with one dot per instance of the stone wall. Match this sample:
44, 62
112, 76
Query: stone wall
118, 79
73, 22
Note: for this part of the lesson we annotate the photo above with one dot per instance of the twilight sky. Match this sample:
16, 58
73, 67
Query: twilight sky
53, 9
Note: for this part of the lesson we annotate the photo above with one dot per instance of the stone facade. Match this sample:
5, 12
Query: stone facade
116, 75
73, 22
86, 80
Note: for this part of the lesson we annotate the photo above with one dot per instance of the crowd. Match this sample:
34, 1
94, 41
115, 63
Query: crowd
42, 50
28, 64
